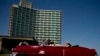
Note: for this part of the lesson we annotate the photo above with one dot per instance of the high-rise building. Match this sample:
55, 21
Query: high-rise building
29, 22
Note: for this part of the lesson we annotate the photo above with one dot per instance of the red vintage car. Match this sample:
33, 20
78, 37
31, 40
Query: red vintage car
37, 50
